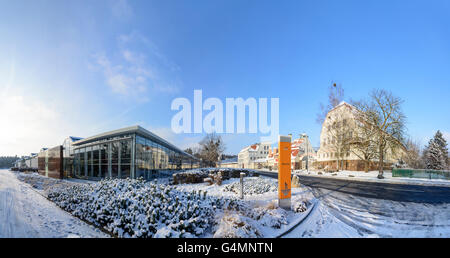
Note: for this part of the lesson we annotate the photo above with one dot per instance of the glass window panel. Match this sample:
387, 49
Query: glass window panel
140, 157
125, 171
125, 152
115, 152
104, 172
96, 172
115, 170
82, 166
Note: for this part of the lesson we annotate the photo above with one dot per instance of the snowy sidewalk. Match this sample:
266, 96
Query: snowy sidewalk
25, 213
371, 176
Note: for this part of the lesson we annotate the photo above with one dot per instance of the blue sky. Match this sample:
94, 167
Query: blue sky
84, 67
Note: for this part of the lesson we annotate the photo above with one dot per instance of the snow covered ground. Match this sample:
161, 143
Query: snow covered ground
26, 213
266, 201
371, 176
135, 208
343, 215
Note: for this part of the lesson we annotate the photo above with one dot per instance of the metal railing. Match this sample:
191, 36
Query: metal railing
421, 173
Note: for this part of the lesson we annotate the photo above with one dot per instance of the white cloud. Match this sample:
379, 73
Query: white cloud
138, 69
121, 9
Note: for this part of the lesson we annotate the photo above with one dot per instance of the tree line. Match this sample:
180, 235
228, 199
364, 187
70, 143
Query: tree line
433, 156
7, 161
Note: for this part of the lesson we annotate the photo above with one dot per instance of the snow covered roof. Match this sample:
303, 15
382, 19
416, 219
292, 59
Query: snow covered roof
251, 148
343, 103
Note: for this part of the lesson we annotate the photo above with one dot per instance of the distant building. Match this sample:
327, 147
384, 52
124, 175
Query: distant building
229, 163
50, 162
27, 163
248, 155
299, 153
68, 154
272, 159
301, 148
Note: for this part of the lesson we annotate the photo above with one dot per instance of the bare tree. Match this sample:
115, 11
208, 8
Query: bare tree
412, 156
383, 112
362, 143
211, 148
335, 96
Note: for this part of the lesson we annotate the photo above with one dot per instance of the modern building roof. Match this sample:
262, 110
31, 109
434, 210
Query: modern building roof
130, 130
74, 139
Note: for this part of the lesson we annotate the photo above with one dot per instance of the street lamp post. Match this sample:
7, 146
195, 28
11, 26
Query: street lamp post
305, 136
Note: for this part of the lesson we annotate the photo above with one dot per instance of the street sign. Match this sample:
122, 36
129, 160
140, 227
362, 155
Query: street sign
284, 172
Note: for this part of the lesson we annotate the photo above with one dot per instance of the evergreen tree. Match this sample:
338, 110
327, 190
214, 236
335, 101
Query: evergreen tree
440, 140
7, 161
436, 153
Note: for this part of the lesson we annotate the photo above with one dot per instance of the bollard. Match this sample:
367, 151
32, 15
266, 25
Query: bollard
242, 185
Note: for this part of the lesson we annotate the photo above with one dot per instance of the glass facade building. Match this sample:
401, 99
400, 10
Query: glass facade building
129, 152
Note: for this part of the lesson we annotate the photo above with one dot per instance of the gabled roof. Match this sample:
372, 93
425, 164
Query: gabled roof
343, 103
251, 148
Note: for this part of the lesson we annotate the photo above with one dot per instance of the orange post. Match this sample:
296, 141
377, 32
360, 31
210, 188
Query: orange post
284, 172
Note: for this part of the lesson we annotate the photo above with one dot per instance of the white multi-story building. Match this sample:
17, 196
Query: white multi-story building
252, 153
340, 124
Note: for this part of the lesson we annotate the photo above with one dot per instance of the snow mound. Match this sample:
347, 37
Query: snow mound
235, 226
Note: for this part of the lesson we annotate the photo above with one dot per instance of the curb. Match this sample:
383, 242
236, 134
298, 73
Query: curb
300, 220
375, 180
369, 180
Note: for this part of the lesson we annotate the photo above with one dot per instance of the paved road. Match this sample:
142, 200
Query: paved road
379, 190
340, 214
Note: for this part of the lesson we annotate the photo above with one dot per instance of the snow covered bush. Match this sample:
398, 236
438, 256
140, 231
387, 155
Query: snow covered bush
300, 206
235, 226
273, 218
134, 208
194, 176
253, 186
